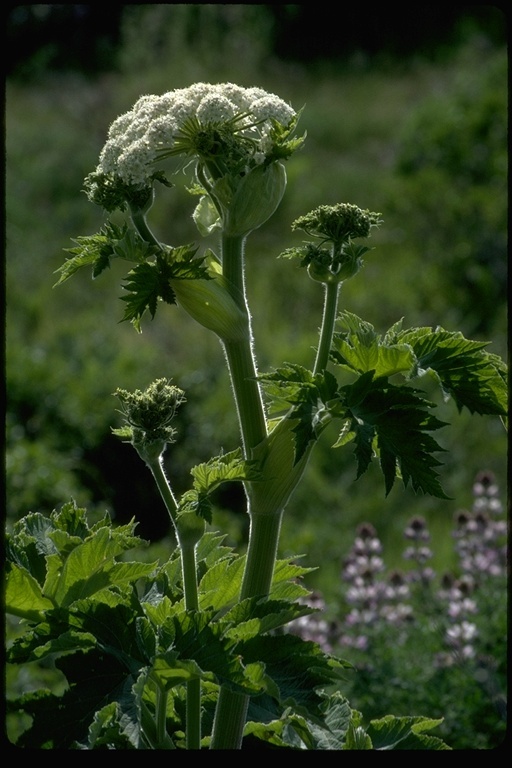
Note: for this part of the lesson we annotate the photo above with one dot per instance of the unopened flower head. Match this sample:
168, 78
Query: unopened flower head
337, 223
243, 125
335, 226
148, 415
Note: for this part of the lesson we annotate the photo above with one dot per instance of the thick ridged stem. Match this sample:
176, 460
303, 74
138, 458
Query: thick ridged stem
231, 709
261, 554
239, 353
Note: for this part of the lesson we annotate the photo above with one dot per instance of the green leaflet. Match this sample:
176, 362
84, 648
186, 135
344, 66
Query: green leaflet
409, 733
23, 595
382, 419
474, 378
394, 422
226, 467
93, 250
360, 349
340, 728
463, 368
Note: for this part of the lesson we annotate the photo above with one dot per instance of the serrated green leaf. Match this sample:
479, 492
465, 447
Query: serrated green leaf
197, 638
256, 616
337, 718
362, 353
33, 648
90, 567
146, 284
465, 371
131, 247
310, 400
289, 731
393, 422
104, 729
293, 384
23, 595
172, 671
228, 467
94, 250
220, 586
392, 732
296, 667
288, 570
357, 738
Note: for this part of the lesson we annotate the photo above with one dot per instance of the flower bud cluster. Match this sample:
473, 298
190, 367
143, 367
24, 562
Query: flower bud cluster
148, 416
335, 225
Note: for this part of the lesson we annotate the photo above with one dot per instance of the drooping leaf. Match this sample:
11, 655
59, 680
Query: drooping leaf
392, 732
464, 369
23, 595
146, 284
93, 250
149, 281
393, 422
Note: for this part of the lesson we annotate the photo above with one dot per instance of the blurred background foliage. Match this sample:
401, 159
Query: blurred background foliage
406, 114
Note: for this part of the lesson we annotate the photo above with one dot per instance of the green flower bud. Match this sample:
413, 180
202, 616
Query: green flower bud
148, 417
338, 223
255, 199
348, 264
210, 303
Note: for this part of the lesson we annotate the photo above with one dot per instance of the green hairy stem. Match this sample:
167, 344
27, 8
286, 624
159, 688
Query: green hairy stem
264, 528
189, 571
328, 320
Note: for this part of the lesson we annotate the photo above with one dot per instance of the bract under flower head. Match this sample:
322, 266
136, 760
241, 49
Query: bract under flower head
137, 138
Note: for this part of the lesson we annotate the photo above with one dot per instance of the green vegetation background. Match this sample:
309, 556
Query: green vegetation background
420, 138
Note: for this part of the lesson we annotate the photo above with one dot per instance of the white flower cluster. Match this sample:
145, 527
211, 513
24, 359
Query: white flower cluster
152, 124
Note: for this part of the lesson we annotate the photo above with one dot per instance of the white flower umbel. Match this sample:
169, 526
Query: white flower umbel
136, 138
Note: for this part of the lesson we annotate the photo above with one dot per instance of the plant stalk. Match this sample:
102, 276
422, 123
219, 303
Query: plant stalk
329, 318
239, 354
189, 571
139, 221
261, 554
